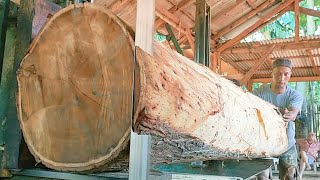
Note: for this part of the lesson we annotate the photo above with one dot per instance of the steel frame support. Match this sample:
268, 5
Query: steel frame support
202, 33
171, 37
4, 23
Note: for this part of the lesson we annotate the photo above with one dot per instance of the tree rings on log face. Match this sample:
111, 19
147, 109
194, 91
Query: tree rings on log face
75, 89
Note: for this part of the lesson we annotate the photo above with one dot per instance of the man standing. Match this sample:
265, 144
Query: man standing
289, 101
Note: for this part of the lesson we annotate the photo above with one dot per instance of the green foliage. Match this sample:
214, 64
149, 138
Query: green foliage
313, 94
256, 85
284, 26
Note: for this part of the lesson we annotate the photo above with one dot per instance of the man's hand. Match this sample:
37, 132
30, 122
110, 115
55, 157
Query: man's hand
289, 114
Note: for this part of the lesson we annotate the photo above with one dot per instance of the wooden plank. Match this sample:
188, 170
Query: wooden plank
256, 66
254, 26
145, 25
241, 20
310, 12
296, 20
312, 61
117, 5
292, 79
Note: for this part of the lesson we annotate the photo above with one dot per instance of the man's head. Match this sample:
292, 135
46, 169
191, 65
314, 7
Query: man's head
281, 72
312, 137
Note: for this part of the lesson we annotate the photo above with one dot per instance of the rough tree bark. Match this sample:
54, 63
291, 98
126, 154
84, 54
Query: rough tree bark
74, 100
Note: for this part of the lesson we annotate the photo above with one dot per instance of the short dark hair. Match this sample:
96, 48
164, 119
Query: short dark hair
282, 62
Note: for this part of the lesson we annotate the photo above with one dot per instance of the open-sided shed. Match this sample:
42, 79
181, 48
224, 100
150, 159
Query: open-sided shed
231, 21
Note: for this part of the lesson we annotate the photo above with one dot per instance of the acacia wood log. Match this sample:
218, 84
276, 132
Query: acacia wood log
74, 100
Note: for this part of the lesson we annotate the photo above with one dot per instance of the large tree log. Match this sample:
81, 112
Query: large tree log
74, 100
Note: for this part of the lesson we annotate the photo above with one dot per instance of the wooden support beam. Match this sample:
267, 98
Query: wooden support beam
296, 20
215, 57
255, 25
233, 64
241, 20
256, 66
249, 86
283, 46
171, 19
292, 79
250, 3
309, 12
182, 39
174, 10
117, 5
315, 67
190, 39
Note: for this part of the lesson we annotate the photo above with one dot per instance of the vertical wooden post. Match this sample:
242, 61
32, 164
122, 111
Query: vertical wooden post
296, 20
140, 145
13, 132
249, 86
215, 61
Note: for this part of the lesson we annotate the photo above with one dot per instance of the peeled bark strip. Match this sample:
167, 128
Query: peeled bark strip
74, 100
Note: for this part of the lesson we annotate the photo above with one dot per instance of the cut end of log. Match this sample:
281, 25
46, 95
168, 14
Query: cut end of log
75, 89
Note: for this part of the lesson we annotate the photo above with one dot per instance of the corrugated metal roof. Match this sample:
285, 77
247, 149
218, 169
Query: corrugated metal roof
302, 66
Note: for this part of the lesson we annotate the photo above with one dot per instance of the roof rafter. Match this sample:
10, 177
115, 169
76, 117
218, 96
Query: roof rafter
174, 10
309, 12
116, 6
256, 66
255, 25
233, 64
242, 19
168, 17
